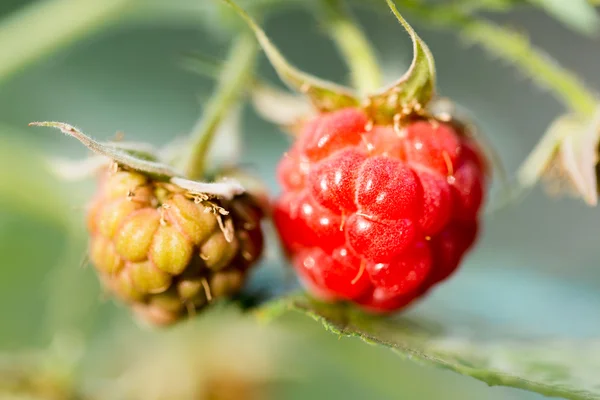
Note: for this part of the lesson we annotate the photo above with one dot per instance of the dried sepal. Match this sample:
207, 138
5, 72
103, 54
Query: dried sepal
119, 154
566, 158
141, 150
136, 157
415, 89
253, 185
227, 188
324, 95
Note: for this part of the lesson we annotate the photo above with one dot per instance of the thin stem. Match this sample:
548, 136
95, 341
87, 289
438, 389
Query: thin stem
236, 76
45, 26
353, 45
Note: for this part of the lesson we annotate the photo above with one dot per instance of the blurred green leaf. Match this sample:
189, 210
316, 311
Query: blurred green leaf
558, 368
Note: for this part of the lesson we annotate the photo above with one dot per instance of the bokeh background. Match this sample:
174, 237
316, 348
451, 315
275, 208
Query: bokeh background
535, 269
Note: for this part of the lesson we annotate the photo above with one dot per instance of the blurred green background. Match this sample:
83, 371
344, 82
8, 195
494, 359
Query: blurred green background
535, 269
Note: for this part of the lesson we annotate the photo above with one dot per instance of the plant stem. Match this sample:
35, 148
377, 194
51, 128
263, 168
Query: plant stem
236, 76
45, 26
353, 45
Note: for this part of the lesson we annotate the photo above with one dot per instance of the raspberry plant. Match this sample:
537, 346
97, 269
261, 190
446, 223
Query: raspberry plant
427, 163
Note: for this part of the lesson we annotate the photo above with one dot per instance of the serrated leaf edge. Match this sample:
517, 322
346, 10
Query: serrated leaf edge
298, 303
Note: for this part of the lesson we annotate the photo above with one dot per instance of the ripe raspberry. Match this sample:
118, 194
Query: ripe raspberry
377, 214
166, 253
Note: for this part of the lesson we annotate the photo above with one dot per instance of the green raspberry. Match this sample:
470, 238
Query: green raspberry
168, 253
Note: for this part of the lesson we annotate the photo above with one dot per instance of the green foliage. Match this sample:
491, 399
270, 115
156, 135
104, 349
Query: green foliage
36, 199
556, 368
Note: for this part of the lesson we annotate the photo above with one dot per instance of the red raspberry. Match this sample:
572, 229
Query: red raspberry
377, 215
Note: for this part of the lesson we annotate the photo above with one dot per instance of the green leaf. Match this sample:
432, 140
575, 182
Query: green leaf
578, 15
324, 95
551, 367
415, 89
134, 159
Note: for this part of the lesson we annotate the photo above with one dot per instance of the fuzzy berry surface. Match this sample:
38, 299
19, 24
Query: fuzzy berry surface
168, 254
378, 215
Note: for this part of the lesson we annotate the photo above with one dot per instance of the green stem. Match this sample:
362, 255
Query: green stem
236, 76
45, 26
353, 45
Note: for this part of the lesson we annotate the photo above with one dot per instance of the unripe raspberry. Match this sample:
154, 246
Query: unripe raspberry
377, 214
168, 253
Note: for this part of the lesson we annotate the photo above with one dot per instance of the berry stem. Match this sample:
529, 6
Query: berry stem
353, 45
236, 77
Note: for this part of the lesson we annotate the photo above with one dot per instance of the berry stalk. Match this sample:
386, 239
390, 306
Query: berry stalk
353, 45
236, 76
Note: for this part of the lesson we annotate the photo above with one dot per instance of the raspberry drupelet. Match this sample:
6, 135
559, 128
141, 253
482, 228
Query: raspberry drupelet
378, 214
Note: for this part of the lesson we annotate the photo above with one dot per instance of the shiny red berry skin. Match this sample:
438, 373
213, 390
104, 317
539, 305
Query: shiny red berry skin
378, 215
